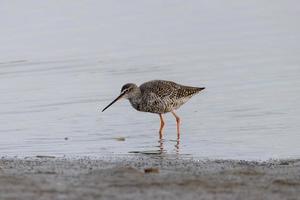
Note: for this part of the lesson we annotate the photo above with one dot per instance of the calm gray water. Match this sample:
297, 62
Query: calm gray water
62, 62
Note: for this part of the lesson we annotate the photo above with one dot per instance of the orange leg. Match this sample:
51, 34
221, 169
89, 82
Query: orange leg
162, 124
178, 124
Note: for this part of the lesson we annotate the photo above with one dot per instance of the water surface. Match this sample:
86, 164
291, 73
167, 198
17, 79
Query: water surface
61, 63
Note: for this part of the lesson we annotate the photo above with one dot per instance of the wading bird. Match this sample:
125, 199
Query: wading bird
157, 96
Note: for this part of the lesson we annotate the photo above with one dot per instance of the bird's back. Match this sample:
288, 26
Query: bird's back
160, 96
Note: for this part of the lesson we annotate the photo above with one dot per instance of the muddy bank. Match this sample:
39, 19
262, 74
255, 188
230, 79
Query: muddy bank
146, 177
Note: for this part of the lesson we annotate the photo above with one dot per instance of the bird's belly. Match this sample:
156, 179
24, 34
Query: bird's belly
177, 104
153, 106
147, 107
151, 109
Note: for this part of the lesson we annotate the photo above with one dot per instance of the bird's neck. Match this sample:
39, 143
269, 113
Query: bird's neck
136, 99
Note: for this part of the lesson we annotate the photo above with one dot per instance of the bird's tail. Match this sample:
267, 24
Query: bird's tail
200, 88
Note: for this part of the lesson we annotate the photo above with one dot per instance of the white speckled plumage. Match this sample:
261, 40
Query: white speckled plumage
159, 96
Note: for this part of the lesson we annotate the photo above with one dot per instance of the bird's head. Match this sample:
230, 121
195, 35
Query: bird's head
128, 91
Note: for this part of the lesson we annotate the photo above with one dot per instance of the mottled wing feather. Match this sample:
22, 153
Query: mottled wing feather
160, 88
186, 91
158, 95
161, 96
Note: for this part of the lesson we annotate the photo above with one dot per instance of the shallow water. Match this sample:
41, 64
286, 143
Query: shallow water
58, 72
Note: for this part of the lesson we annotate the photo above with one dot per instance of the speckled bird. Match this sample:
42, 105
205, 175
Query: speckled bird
158, 96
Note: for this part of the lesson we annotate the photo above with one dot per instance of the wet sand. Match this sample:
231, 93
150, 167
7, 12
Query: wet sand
147, 177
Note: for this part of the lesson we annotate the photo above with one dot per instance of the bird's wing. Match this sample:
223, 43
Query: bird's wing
187, 91
168, 89
162, 89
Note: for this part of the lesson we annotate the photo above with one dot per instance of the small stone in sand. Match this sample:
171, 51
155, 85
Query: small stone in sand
120, 138
40, 156
151, 170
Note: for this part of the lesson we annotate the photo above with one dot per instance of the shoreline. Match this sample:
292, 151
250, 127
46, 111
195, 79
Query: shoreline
147, 177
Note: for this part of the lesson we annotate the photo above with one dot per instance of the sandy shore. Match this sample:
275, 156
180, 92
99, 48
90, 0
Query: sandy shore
147, 177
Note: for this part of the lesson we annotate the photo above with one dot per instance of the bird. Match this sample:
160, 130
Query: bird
158, 97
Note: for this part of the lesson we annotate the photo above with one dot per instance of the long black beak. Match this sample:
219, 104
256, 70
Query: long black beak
114, 101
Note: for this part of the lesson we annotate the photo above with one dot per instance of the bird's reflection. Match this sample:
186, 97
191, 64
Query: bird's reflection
177, 146
161, 145
162, 150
